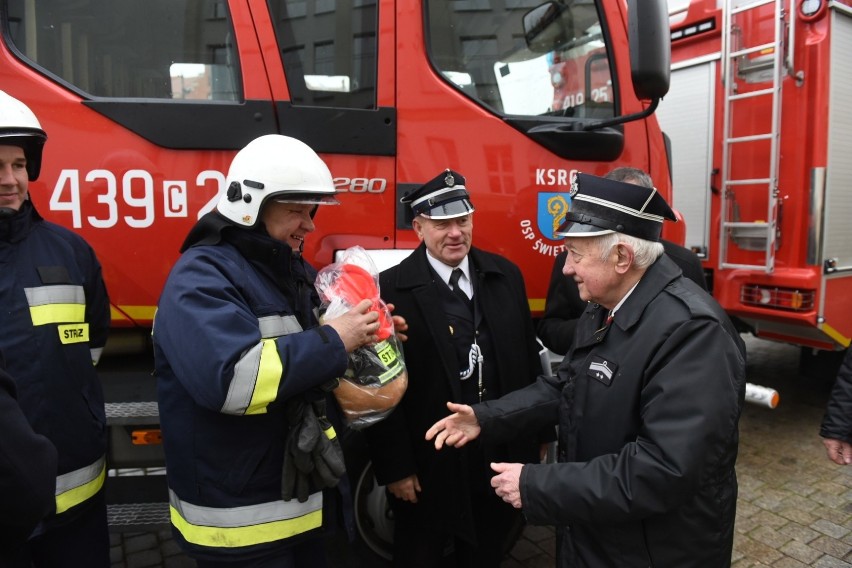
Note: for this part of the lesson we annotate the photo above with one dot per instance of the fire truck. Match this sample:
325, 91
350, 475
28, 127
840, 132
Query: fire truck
760, 141
145, 104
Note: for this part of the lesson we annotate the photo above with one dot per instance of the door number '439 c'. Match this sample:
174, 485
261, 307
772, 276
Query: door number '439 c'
137, 197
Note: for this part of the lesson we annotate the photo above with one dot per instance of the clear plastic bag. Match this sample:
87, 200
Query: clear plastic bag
375, 378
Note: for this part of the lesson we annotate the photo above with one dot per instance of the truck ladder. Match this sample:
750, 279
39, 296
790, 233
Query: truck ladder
752, 71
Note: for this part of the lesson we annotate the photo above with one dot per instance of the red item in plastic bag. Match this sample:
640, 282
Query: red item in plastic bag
355, 284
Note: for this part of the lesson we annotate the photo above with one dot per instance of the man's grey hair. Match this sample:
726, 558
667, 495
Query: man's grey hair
645, 253
630, 175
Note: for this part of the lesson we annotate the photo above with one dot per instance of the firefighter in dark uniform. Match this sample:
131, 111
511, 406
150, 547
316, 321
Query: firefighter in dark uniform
243, 368
55, 325
27, 473
470, 339
647, 401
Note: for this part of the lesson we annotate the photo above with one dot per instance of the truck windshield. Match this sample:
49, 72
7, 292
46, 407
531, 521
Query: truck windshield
161, 49
522, 57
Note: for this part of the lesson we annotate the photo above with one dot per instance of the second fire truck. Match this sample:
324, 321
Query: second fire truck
761, 138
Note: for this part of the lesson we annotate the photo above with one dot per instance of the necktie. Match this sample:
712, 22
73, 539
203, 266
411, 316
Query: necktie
607, 321
454, 285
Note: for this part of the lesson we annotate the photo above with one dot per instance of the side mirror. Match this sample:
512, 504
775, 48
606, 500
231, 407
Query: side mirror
650, 47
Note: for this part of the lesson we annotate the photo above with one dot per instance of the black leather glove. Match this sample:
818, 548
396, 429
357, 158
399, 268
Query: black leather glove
311, 459
327, 454
293, 477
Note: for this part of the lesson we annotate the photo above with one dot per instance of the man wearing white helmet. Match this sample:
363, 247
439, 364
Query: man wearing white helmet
55, 324
244, 368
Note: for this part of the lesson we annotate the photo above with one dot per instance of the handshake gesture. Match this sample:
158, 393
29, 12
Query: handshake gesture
461, 427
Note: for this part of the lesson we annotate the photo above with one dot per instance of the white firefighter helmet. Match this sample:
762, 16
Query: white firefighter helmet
274, 167
20, 127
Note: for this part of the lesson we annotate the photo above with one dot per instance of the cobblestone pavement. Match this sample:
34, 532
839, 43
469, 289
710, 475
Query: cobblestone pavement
794, 507
147, 550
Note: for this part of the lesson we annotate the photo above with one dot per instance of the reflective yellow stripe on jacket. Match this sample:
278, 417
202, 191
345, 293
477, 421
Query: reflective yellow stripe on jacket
244, 526
76, 486
258, 372
56, 304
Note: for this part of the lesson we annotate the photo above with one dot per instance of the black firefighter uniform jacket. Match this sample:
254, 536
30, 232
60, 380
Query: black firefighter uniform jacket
648, 411
55, 322
27, 472
398, 445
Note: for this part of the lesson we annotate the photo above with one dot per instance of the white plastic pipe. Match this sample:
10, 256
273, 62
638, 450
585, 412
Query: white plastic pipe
762, 396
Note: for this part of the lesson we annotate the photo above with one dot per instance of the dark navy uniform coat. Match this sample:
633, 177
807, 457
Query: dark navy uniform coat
235, 336
55, 323
398, 445
647, 411
27, 472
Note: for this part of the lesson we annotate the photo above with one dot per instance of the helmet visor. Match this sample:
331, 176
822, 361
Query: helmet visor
308, 198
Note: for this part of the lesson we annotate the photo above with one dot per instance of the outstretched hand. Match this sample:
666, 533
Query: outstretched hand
455, 430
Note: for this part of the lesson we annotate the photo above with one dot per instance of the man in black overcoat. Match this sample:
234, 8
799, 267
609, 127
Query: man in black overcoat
470, 339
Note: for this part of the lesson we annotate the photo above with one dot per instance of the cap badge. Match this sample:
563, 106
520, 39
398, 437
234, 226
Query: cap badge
575, 187
449, 180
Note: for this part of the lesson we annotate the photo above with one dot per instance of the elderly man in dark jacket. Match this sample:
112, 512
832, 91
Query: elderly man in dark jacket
470, 339
647, 401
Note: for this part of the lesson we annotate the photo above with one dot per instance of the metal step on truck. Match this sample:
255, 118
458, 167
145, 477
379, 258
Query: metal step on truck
137, 487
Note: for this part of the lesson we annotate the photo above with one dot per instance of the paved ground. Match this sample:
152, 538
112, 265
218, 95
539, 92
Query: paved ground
794, 508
